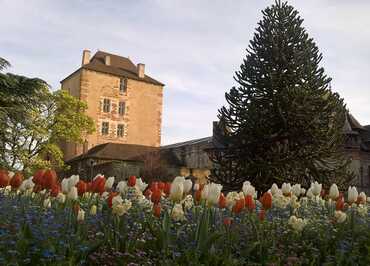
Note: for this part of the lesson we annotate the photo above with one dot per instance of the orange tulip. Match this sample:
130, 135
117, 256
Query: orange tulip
222, 201
156, 196
249, 203
131, 181
198, 195
238, 206
16, 180
110, 198
76, 208
266, 200
153, 186
157, 210
4, 178
81, 187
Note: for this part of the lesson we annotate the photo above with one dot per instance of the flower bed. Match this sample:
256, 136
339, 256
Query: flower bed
44, 222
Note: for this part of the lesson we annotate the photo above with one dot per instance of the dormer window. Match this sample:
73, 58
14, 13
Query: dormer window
123, 86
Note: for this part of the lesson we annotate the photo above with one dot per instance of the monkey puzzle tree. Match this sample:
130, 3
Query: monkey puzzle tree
282, 122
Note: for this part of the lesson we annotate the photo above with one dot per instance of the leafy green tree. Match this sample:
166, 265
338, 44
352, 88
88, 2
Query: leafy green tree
282, 122
34, 120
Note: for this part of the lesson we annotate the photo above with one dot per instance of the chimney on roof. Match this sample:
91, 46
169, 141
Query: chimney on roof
85, 57
107, 60
141, 70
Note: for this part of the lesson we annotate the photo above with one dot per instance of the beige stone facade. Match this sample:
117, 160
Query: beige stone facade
127, 114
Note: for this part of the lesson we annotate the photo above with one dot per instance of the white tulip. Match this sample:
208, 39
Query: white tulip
65, 185
187, 186
204, 193
352, 194
117, 200
333, 192
140, 184
177, 190
362, 198
122, 187
231, 198
248, 189
81, 215
109, 183
309, 193
214, 191
47, 203
177, 213
72, 194
274, 189
122, 208
61, 198
105, 195
340, 216
286, 188
93, 210
296, 189
297, 223
316, 188
73, 180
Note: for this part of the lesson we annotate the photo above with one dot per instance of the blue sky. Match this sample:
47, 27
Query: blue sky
193, 46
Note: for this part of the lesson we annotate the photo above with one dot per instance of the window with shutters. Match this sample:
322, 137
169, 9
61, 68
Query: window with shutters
120, 130
105, 128
121, 108
123, 86
106, 105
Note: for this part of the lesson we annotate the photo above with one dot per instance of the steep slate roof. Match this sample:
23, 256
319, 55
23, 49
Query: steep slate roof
119, 66
187, 143
115, 151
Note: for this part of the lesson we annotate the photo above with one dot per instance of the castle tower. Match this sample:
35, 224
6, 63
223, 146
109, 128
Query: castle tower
124, 102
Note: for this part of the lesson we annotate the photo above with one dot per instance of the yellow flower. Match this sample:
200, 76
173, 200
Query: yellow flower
340, 216
297, 223
93, 210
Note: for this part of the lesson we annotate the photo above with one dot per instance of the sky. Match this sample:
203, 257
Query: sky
192, 46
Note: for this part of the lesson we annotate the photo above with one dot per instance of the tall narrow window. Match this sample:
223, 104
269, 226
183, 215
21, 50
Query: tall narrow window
120, 130
123, 85
121, 108
105, 128
106, 105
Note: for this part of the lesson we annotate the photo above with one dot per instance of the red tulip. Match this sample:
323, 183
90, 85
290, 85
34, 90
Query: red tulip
167, 188
228, 221
81, 187
54, 191
4, 178
88, 186
147, 193
161, 185
238, 206
157, 210
198, 195
261, 215
98, 185
266, 200
110, 198
131, 181
153, 185
16, 180
339, 206
156, 196
249, 203
38, 178
49, 179
222, 201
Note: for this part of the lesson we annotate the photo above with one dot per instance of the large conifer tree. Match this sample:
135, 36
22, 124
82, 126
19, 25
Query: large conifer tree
282, 122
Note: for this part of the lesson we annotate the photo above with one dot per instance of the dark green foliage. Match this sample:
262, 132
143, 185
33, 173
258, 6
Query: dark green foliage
282, 122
